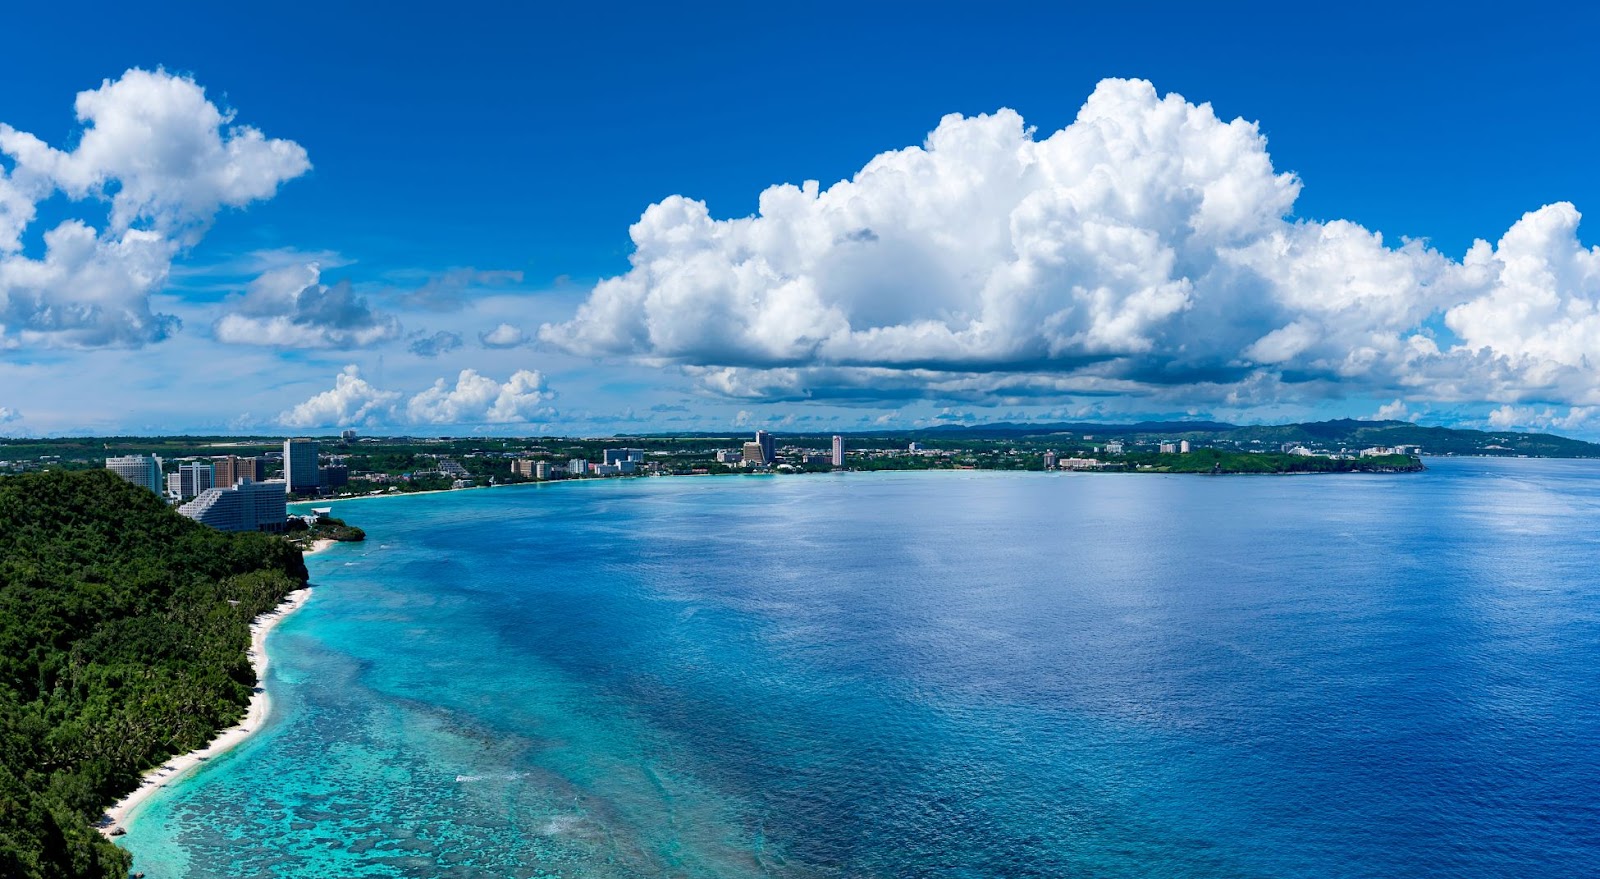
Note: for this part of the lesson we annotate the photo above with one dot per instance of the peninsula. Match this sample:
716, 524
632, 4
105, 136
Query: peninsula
123, 636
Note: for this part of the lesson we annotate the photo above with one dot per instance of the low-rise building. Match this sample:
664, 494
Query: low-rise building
1079, 464
452, 469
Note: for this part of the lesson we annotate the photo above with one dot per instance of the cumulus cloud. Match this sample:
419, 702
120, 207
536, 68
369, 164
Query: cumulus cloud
165, 160
1147, 248
352, 400
477, 398
474, 399
503, 336
441, 342
1394, 410
9, 415
1508, 417
290, 308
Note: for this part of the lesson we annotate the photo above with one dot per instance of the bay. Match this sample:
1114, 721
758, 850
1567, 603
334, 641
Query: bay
932, 674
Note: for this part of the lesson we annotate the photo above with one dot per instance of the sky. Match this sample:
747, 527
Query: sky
507, 219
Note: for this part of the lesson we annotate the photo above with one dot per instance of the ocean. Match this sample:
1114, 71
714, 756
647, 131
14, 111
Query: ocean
951, 674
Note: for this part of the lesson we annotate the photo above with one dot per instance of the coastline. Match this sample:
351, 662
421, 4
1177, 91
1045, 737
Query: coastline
111, 823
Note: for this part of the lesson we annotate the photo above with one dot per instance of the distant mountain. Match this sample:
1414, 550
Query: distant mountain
1340, 433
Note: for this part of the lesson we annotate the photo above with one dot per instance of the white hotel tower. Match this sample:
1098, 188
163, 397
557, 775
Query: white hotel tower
143, 470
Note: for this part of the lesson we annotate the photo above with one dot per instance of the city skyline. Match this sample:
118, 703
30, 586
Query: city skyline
261, 228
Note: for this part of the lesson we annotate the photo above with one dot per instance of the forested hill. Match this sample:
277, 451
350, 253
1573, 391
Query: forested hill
123, 637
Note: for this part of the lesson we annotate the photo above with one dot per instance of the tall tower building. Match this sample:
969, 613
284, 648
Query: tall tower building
194, 478
229, 469
141, 470
838, 450
300, 466
768, 450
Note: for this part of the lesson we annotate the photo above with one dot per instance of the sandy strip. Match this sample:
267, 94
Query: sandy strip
260, 705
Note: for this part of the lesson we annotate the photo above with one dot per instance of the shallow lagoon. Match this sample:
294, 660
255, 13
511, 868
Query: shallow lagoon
932, 674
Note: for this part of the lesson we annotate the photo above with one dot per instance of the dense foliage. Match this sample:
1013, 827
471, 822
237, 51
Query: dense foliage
123, 631
1220, 461
305, 536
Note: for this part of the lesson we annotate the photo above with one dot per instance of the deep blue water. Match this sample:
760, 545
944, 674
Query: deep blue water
936, 674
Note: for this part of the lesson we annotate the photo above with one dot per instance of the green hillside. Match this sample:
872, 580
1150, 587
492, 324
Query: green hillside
123, 631
1433, 440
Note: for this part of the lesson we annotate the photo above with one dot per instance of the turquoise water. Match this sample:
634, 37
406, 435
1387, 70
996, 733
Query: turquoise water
934, 674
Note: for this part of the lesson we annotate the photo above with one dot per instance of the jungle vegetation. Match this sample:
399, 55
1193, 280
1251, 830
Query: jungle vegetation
123, 635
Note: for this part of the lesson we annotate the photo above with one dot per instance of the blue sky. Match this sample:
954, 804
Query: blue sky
471, 173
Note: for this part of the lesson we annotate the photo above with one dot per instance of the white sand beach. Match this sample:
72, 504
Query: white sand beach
260, 705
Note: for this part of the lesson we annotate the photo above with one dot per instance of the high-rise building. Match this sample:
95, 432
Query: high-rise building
625, 460
248, 506
141, 470
1183, 447
754, 453
229, 469
541, 470
838, 451
1169, 448
348, 435
333, 476
768, 450
1049, 460
577, 466
194, 478
300, 466
224, 470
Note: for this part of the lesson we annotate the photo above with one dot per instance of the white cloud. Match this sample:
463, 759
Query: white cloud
1148, 248
503, 336
1575, 418
167, 160
88, 291
477, 398
290, 308
1538, 299
353, 400
161, 152
1394, 410
9, 415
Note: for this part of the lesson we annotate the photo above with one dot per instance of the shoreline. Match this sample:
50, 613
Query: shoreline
111, 823
1421, 468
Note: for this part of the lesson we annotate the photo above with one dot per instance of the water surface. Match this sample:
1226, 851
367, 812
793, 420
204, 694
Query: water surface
932, 674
